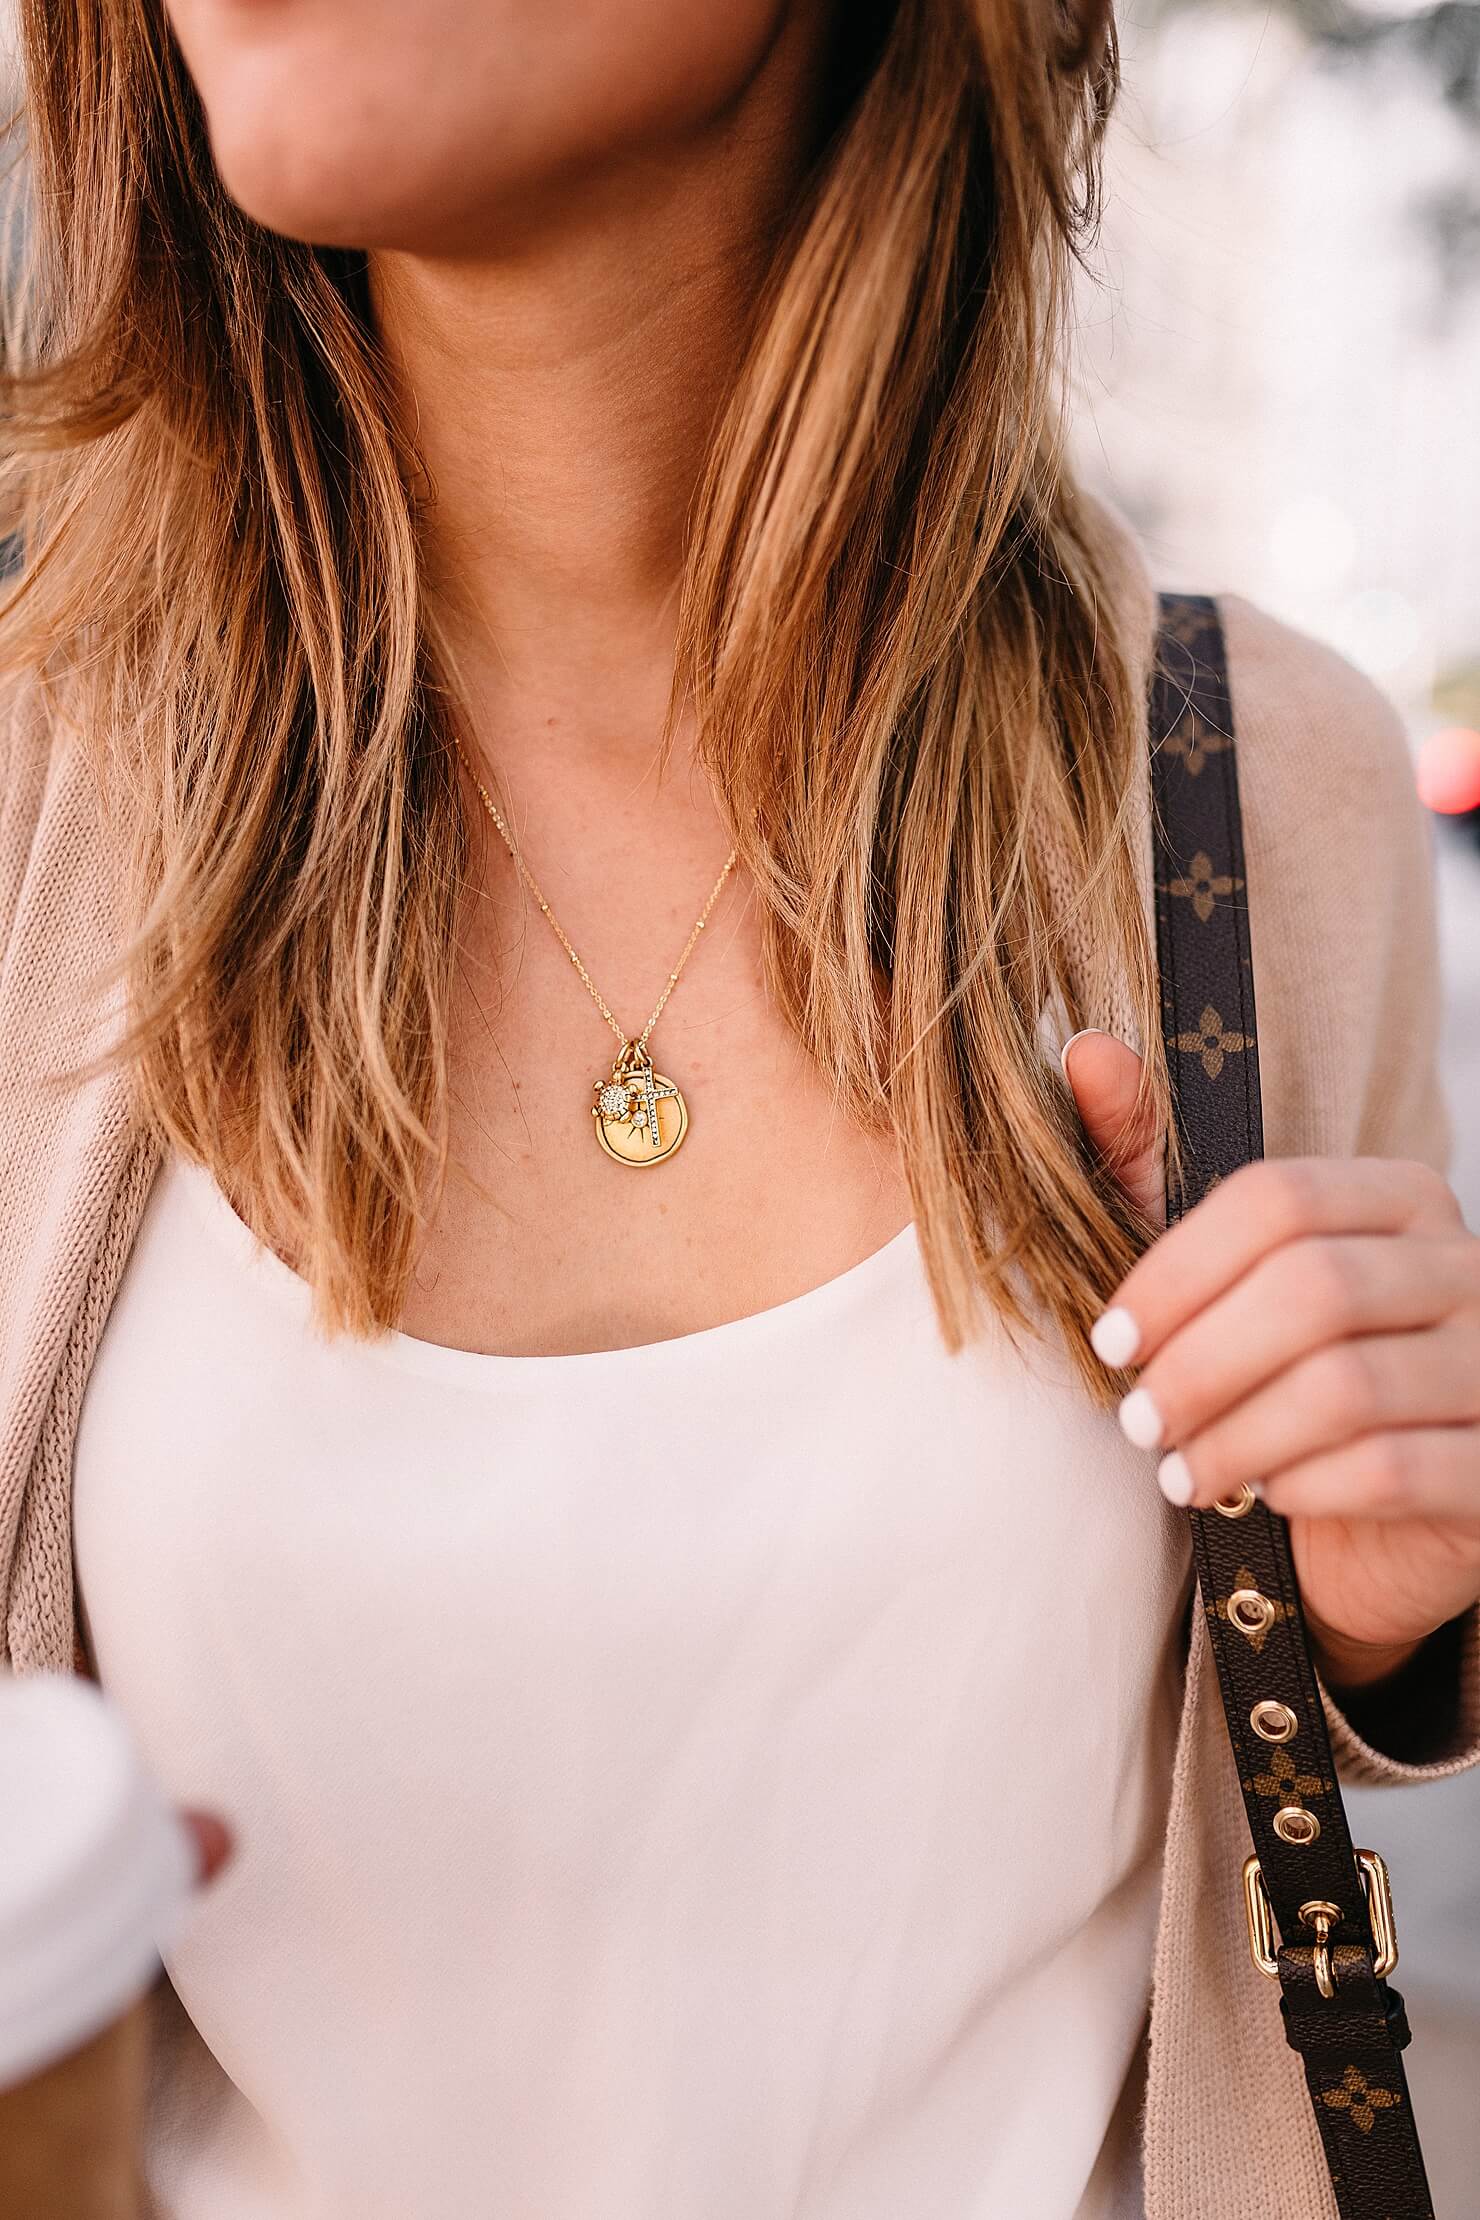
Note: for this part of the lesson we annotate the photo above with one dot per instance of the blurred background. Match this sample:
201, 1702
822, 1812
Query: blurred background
1279, 383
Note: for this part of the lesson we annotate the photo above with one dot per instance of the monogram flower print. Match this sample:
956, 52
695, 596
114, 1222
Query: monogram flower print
1195, 742
1204, 886
1357, 2096
1243, 1578
1185, 622
1213, 1042
1285, 1783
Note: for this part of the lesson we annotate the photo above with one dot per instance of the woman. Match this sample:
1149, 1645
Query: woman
691, 1665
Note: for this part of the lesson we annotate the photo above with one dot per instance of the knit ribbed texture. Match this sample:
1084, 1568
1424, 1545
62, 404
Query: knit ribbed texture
63, 1148
1343, 941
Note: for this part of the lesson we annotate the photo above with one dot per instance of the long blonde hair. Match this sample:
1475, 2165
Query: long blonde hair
896, 632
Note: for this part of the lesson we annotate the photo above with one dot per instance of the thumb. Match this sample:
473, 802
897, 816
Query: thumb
1103, 1076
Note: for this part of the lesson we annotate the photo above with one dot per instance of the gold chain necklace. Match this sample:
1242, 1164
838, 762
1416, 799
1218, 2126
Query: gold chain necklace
640, 1116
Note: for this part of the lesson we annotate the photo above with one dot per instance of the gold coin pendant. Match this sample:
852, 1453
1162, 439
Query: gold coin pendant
640, 1117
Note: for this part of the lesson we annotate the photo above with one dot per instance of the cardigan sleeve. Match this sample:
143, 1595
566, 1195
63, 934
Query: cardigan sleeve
1346, 975
66, 1141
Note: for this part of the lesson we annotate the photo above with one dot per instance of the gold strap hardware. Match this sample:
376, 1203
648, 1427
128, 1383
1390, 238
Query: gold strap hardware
1322, 1917
1237, 1506
1264, 1937
1252, 1613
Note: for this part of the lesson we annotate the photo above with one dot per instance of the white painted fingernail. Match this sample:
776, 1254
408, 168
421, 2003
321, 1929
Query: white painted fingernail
1174, 1478
1115, 1337
1082, 1035
1140, 1420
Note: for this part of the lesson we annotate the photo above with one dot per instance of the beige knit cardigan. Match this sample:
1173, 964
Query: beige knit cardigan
1344, 962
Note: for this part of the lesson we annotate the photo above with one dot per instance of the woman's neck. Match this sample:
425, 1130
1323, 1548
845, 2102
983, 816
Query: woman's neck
561, 392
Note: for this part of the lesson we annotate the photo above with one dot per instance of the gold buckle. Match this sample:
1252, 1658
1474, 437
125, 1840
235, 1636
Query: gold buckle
1264, 1937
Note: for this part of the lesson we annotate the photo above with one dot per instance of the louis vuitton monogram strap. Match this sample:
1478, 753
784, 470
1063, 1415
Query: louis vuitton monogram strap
1312, 1921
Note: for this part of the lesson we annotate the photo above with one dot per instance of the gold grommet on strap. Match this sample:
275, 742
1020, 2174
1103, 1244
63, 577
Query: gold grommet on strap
1273, 1722
1294, 1824
1235, 1506
1322, 1917
1251, 1612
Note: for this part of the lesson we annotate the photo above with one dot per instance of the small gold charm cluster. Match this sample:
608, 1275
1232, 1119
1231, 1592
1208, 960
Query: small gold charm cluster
628, 1122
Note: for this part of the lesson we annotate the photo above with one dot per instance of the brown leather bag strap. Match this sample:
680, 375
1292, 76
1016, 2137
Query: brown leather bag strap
1311, 1920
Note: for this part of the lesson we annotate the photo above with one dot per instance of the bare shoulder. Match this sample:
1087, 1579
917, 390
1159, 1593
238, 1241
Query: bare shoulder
1341, 899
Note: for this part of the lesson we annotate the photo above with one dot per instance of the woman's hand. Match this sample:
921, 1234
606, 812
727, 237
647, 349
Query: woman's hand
1311, 1329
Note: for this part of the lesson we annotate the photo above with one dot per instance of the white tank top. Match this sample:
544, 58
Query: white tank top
718, 1780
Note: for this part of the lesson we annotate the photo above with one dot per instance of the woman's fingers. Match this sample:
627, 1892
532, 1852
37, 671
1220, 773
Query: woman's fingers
1408, 1473
1258, 1209
1298, 1299
212, 1842
1340, 1394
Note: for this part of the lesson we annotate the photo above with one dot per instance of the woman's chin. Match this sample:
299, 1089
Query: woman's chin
360, 199
329, 203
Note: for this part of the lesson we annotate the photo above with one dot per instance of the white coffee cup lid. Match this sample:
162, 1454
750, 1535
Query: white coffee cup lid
95, 1870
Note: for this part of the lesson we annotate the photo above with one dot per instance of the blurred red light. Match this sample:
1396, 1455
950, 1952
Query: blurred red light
1449, 771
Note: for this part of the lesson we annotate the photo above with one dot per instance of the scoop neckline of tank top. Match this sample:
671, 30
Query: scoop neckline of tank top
213, 1208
